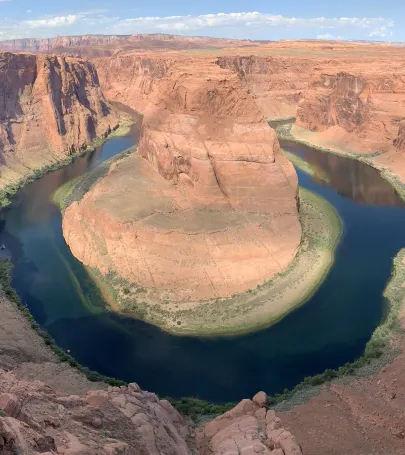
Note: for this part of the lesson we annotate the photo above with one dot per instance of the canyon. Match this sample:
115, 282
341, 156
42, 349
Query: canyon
215, 189
214, 211
52, 107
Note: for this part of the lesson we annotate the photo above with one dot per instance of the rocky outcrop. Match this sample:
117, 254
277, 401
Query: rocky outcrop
36, 419
121, 420
52, 106
103, 45
248, 428
359, 107
275, 83
211, 203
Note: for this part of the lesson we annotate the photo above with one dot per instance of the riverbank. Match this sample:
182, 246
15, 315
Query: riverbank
306, 167
252, 310
28, 175
298, 135
385, 346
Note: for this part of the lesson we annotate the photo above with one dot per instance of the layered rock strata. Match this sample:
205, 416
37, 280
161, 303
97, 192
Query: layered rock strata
357, 106
52, 106
207, 208
275, 83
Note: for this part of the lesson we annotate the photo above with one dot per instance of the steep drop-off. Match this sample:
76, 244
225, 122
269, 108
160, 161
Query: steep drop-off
276, 83
206, 208
47, 407
51, 107
359, 107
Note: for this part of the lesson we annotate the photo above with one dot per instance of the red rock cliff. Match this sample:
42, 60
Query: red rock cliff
211, 204
275, 83
51, 106
359, 106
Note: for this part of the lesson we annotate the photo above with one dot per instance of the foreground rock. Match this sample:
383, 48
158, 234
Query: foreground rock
52, 106
249, 429
128, 421
120, 420
207, 208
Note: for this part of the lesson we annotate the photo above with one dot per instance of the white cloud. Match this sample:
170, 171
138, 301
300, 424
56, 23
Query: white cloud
328, 36
250, 19
238, 25
57, 21
29, 11
381, 32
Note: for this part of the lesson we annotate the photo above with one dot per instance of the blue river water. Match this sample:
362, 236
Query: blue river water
328, 331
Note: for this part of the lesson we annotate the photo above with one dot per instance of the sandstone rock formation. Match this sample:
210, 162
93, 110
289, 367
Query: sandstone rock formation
121, 420
35, 419
209, 205
276, 83
360, 107
103, 45
250, 429
51, 107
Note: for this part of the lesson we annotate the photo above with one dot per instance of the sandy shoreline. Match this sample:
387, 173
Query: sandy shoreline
268, 303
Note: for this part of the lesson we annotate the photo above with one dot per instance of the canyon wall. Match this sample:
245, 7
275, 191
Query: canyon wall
51, 107
275, 83
359, 106
99, 45
208, 207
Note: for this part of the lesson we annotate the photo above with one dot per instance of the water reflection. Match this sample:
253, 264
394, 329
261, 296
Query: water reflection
331, 329
349, 177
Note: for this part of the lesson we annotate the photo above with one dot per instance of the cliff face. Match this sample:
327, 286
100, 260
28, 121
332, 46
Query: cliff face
132, 79
99, 45
50, 107
213, 207
358, 106
275, 83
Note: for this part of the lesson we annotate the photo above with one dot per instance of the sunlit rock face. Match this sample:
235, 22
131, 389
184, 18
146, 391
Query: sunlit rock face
51, 106
208, 205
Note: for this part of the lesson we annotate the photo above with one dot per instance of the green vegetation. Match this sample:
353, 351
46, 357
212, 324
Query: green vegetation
306, 167
248, 311
75, 189
195, 408
8, 292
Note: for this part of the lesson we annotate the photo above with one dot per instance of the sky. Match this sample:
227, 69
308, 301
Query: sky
254, 19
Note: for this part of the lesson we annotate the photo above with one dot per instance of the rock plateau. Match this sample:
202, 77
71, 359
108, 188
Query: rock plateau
208, 205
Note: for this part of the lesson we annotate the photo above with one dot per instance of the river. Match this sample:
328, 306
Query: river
328, 331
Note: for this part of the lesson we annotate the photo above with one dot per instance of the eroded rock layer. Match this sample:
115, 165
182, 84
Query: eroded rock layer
35, 419
357, 106
52, 106
276, 83
208, 207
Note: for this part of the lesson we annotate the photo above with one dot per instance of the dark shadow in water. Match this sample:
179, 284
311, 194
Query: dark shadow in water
331, 329
348, 177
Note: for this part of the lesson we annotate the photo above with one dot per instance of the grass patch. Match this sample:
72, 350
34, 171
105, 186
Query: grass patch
245, 312
378, 350
306, 167
11, 189
75, 189
196, 408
